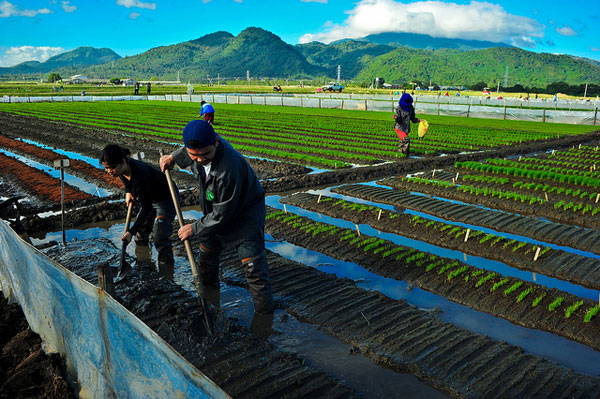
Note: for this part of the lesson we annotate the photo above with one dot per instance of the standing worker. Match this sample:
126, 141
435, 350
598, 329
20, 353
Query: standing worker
136, 88
405, 113
207, 112
148, 88
233, 205
147, 186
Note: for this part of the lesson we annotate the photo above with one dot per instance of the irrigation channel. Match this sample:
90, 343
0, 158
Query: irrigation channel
389, 281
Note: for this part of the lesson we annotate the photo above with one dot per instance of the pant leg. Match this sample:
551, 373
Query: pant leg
143, 234
163, 230
208, 262
254, 260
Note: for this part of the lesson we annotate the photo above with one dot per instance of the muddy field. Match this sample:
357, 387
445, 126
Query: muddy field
411, 347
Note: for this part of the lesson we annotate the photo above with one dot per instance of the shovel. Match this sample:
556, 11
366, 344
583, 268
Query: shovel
124, 266
190, 255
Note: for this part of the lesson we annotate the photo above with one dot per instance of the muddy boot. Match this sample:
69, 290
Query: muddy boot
208, 266
262, 325
257, 275
213, 296
163, 229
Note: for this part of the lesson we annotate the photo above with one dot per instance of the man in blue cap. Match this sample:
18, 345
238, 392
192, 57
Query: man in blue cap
233, 206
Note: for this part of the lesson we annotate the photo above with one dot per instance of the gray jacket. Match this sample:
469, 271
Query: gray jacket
232, 198
403, 119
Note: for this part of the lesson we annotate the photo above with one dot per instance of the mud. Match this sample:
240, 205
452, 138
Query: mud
434, 274
25, 370
403, 338
584, 239
390, 332
239, 361
554, 263
545, 210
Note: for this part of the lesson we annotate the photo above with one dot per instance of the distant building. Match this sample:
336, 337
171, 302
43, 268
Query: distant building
128, 82
77, 79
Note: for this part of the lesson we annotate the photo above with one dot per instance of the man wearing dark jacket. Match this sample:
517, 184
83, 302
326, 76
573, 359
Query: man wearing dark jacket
405, 114
233, 206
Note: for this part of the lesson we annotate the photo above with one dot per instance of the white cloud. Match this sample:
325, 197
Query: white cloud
566, 31
594, 48
476, 21
8, 9
314, 1
136, 3
67, 7
134, 15
16, 55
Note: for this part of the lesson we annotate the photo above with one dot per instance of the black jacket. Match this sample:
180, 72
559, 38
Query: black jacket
403, 119
147, 185
232, 198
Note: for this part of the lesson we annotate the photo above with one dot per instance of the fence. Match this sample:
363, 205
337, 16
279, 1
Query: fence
539, 110
111, 352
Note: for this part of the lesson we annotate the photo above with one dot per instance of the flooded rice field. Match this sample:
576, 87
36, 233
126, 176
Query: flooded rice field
411, 279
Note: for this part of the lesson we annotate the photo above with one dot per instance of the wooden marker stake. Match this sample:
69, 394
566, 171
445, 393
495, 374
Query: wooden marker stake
319, 200
467, 234
537, 253
533, 276
546, 195
357, 230
284, 208
379, 216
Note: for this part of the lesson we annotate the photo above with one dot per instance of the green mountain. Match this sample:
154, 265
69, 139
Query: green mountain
80, 57
427, 42
264, 55
454, 67
352, 56
218, 54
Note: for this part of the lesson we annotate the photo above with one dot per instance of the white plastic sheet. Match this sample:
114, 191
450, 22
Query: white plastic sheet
109, 351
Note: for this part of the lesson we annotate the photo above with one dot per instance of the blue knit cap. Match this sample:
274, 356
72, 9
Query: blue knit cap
406, 102
200, 131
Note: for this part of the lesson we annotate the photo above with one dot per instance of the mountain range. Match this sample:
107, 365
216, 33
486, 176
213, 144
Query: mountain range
396, 57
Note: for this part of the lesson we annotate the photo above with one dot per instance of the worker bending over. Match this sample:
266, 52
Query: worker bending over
147, 186
207, 112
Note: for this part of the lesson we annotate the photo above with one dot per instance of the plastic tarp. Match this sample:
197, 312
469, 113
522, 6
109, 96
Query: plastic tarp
108, 350
474, 106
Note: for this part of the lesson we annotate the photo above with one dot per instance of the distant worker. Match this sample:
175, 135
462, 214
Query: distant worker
136, 88
233, 205
83, 92
148, 88
405, 113
148, 187
207, 112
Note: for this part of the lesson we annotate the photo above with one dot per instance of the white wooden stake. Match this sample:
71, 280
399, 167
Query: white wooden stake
453, 182
467, 234
379, 216
580, 146
546, 195
519, 157
319, 200
552, 152
597, 197
537, 253
433, 174
284, 208
456, 176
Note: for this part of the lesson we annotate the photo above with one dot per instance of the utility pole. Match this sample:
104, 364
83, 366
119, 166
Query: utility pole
506, 77
585, 91
339, 72
248, 75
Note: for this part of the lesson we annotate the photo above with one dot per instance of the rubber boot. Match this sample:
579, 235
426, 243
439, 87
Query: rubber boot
163, 228
262, 325
208, 265
257, 275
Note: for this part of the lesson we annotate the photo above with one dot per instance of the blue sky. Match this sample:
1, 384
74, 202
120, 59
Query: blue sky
38, 29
